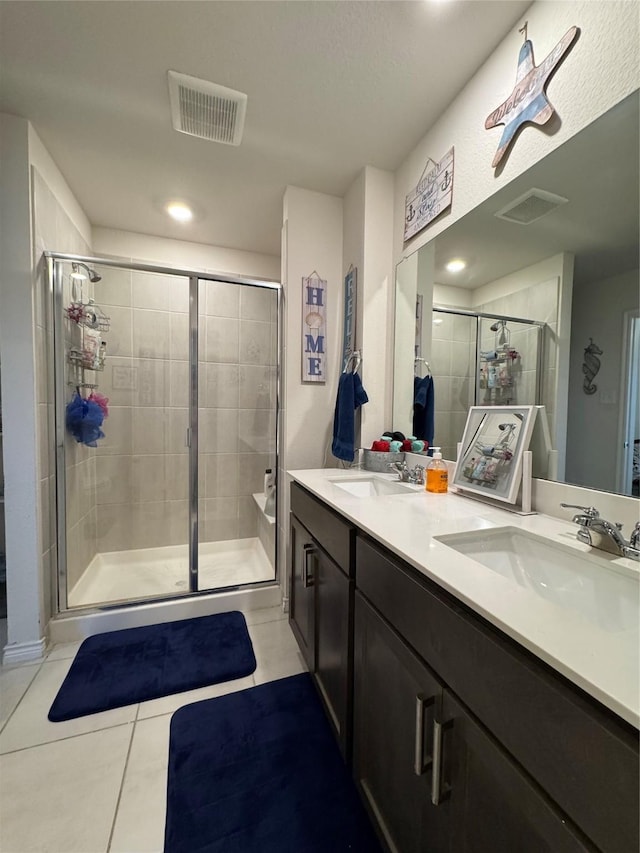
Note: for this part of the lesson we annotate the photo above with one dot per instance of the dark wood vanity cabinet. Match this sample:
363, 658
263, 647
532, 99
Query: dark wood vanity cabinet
462, 740
321, 593
432, 778
449, 711
301, 590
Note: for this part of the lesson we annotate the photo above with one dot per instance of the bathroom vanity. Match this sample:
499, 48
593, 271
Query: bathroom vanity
481, 709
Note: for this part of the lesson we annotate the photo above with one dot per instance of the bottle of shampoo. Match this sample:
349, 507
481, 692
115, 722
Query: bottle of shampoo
437, 473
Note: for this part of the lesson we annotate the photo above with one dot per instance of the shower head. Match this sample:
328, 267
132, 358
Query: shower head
497, 325
77, 273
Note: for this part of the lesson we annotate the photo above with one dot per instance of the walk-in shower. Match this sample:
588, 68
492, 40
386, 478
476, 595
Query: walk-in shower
166, 404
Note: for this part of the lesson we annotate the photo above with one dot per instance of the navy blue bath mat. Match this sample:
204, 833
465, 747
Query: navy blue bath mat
123, 667
259, 771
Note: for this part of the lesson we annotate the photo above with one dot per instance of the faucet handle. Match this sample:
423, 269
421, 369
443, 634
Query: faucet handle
589, 511
634, 539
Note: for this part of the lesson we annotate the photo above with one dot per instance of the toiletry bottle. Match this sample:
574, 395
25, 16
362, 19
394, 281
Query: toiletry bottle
437, 473
268, 480
270, 503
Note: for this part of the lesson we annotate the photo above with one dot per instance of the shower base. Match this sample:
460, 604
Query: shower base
123, 576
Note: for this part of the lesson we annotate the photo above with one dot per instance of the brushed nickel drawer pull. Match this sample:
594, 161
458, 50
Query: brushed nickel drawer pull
307, 576
437, 763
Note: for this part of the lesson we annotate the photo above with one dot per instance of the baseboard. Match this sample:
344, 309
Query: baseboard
14, 653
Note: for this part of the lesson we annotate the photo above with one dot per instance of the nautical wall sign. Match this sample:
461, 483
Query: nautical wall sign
314, 332
350, 296
528, 101
430, 198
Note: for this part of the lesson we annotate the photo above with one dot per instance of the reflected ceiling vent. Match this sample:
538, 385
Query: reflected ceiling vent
531, 206
205, 109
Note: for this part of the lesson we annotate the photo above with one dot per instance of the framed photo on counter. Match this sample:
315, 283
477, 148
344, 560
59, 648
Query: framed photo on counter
494, 441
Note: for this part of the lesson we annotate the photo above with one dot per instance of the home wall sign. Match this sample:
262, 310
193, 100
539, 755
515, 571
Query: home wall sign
314, 332
528, 101
431, 197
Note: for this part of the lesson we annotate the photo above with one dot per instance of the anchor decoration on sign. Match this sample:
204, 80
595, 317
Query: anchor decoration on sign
430, 197
528, 101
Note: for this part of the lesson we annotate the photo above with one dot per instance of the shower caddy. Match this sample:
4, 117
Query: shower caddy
87, 347
498, 368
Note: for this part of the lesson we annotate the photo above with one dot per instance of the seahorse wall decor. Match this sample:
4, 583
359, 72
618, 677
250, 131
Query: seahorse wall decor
590, 367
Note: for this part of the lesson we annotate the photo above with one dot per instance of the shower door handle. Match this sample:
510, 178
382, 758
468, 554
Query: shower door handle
307, 576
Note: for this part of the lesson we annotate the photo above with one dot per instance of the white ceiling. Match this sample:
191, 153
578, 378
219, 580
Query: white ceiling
332, 86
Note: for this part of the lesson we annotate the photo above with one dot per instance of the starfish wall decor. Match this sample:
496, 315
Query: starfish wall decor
528, 101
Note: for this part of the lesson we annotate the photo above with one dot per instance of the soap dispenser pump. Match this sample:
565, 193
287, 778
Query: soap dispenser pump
437, 474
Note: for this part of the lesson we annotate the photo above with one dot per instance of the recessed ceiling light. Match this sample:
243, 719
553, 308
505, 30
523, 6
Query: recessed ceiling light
179, 211
456, 265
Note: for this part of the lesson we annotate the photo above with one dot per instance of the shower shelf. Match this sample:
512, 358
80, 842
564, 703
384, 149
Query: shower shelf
79, 359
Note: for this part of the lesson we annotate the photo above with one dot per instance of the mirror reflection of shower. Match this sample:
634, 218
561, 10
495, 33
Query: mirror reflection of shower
480, 359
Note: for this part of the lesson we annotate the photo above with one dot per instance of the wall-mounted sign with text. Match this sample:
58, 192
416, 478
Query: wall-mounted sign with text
430, 198
349, 335
314, 331
528, 101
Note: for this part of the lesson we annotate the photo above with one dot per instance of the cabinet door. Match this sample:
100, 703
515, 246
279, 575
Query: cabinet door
395, 700
301, 590
494, 805
333, 644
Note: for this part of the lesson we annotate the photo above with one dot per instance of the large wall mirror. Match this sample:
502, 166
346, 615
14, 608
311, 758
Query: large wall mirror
545, 311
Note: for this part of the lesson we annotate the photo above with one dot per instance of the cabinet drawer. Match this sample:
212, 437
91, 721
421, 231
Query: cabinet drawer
327, 528
584, 758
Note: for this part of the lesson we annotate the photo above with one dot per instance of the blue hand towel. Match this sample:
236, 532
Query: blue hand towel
423, 408
351, 395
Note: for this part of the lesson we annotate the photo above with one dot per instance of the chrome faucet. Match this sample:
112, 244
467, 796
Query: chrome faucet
603, 534
408, 475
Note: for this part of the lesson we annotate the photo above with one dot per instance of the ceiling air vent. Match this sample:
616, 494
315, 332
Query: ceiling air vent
205, 109
530, 207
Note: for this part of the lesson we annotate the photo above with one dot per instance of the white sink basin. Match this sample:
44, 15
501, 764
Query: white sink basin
370, 487
606, 594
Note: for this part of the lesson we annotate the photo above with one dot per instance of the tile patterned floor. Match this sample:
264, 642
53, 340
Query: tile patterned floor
98, 784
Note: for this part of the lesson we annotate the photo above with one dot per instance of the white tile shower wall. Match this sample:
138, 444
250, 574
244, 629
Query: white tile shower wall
142, 466
452, 364
53, 230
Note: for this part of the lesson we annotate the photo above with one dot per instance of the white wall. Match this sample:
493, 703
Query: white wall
17, 353
312, 240
594, 429
184, 254
53, 178
314, 227
367, 236
452, 297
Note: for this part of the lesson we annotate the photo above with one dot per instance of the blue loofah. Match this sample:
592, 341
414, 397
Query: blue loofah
417, 445
84, 419
395, 446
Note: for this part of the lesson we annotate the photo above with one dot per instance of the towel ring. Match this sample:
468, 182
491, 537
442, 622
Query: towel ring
355, 355
417, 361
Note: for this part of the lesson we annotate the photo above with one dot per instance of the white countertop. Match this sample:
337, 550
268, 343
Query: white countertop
603, 662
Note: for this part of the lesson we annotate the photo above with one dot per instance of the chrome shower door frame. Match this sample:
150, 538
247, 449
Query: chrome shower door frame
54, 261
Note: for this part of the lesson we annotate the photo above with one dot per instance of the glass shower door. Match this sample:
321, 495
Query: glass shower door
122, 346
236, 432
